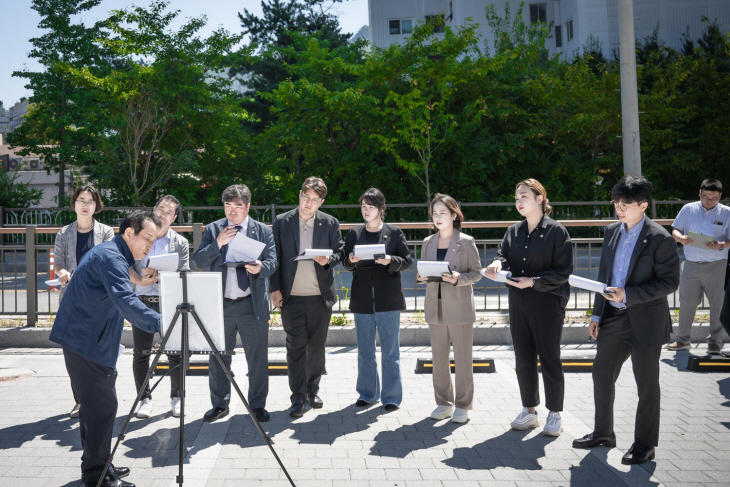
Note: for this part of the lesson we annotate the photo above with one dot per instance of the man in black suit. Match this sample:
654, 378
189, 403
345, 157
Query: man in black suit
640, 264
245, 307
304, 290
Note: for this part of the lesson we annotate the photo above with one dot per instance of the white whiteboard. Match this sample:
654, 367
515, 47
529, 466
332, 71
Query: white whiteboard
205, 292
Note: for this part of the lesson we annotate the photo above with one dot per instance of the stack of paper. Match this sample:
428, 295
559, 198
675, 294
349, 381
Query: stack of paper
501, 276
310, 254
368, 252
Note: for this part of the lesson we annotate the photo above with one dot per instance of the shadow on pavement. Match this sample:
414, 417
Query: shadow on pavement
594, 471
60, 429
510, 449
725, 391
411, 437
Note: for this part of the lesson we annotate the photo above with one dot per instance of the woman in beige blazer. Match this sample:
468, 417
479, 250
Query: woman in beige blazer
449, 309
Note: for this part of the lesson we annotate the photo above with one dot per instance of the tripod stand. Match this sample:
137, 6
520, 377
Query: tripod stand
183, 310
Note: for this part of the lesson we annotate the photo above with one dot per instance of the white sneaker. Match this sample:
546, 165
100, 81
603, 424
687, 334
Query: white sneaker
726, 351
460, 416
553, 425
145, 408
175, 406
525, 420
442, 412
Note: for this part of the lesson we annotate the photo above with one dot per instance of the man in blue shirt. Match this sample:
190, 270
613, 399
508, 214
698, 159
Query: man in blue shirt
703, 271
89, 329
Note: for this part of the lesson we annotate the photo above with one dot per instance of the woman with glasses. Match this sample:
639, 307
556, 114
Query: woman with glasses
449, 309
376, 301
74, 240
539, 254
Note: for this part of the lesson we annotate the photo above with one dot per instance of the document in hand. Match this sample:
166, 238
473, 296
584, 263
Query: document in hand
502, 276
699, 240
432, 268
368, 252
53, 282
588, 285
310, 254
244, 249
163, 263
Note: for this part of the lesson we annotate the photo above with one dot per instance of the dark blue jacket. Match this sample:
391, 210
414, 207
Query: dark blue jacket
97, 300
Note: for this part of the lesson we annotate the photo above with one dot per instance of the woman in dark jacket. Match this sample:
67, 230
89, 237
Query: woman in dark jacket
539, 254
377, 300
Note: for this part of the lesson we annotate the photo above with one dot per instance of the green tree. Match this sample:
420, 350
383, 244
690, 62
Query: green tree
17, 195
61, 107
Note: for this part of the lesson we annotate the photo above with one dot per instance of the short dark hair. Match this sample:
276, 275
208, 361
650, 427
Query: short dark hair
236, 192
632, 189
315, 184
136, 221
374, 197
98, 206
710, 184
451, 204
169, 199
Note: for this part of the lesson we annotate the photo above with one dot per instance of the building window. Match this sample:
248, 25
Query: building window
558, 36
569, 30
398, 27
538, 13
439, 29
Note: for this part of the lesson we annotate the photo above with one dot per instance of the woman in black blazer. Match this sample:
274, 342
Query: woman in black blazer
377, 300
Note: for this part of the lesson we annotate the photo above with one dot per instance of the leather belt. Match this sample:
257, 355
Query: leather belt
149, 299
237, 299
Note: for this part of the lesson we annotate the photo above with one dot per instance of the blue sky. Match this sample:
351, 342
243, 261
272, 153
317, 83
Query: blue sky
20, 23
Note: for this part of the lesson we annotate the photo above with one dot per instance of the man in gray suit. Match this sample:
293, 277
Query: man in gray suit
245, 304
145, 286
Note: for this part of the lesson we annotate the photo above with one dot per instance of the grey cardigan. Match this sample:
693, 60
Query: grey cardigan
64, 251
457, 301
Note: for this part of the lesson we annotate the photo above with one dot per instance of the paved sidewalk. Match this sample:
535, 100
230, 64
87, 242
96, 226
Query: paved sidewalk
341, 445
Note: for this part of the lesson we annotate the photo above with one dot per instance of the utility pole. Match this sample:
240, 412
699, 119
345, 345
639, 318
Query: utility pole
629, 91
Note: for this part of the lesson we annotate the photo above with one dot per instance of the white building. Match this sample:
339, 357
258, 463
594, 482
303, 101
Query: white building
574, 20
17, 113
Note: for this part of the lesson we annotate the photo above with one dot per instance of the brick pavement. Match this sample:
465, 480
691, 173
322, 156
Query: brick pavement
341, 445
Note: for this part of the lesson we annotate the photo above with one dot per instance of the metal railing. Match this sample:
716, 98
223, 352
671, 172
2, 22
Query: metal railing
21, 295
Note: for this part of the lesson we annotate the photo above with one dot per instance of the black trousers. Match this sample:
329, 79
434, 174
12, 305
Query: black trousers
616, 342
141, 362
94, 385
306, 321
536, 324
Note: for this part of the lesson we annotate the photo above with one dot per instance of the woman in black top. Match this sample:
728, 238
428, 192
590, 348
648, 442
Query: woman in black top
377, 300
539, 254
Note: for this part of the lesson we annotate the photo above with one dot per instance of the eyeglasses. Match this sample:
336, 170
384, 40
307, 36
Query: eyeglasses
622, 206
87, 204
166, 214
711, 200
307, 199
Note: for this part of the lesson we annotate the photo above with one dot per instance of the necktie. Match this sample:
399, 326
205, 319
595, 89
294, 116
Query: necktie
241, 274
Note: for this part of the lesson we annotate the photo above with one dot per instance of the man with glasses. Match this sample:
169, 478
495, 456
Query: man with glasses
304, 290
245, 307
168, 241
703, 271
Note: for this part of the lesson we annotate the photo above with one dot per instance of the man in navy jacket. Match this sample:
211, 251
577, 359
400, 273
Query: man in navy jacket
89, 329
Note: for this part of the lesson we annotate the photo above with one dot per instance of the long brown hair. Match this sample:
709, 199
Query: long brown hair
539, 190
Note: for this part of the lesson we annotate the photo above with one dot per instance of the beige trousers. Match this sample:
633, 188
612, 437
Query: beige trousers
462, 339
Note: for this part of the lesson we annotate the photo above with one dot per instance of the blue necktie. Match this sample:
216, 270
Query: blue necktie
241, 274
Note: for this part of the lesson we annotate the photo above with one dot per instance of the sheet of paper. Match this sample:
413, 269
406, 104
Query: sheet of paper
432, 268
244, 249
699, 240
164, 263
587, 284
121, 351
53, 282
368, 252
501, 276
312, 253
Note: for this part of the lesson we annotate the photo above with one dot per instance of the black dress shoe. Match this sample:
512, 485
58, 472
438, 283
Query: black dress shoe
119, 472
390, 407
110, 481
638, 454
215, 414
262, 415
314, 401
296, 410
361, 403
591, 440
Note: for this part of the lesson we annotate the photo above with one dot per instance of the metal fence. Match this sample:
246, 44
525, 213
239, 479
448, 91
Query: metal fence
24, 268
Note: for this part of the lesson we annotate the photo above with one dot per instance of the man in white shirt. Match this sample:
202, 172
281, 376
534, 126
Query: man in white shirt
146, 288
703, 271
245, 303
